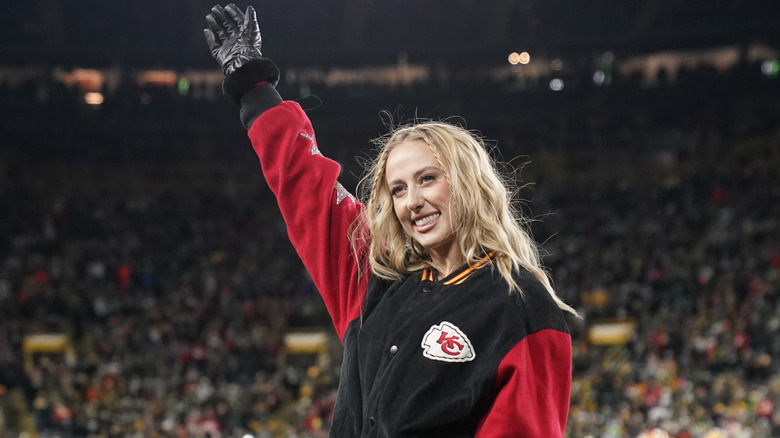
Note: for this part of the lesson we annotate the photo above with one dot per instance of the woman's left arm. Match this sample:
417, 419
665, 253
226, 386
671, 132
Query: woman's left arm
534, 385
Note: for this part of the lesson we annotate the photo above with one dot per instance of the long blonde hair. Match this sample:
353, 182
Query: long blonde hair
484, 218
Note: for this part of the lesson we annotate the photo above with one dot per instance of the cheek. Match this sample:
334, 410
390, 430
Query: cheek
399, 211
402, 215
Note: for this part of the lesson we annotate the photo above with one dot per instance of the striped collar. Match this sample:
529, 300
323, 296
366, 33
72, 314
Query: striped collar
460, 275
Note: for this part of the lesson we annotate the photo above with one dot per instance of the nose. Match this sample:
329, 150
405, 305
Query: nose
414, 199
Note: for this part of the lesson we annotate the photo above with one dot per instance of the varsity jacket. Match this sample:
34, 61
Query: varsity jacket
423, 356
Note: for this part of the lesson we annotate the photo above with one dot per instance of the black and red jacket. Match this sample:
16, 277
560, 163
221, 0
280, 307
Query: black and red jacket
423, 356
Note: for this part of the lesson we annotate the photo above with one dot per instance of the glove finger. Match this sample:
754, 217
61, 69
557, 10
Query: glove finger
216, 28
211, 41
250, 24
223, 20
235, 14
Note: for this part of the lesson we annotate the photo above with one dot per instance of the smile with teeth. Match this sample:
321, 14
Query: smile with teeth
427, 220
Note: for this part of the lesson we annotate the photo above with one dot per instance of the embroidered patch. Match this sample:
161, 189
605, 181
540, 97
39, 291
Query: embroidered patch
445, 342
314, 149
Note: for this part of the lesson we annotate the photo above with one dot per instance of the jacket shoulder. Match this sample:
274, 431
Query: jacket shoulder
535, 305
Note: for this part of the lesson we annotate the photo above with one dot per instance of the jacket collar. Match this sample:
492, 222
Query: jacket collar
459, 275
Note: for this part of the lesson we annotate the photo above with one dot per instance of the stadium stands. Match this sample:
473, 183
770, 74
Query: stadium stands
142, 229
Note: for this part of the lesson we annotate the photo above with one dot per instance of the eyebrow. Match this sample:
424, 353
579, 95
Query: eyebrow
416, 174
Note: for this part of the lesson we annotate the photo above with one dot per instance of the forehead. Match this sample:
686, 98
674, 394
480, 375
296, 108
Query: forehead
409, 156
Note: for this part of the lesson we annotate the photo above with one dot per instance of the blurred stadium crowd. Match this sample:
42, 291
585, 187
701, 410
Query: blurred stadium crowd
142, 229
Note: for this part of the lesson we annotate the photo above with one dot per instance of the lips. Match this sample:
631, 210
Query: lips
424, 223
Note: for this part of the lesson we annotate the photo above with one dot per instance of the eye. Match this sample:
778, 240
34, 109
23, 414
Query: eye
396, 190
427, 178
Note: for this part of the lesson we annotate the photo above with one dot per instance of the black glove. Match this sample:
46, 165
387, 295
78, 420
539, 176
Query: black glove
234, 40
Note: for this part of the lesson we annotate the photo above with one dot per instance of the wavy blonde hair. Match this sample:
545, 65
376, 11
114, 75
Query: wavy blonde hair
484, 217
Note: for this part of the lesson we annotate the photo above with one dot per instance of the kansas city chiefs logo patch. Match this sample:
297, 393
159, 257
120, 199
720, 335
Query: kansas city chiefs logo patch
445, 342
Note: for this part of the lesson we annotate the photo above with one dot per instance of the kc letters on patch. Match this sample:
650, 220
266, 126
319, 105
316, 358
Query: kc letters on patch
447, 343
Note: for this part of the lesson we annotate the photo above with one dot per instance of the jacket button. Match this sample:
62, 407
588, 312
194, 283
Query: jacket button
394, 349
371, 421
427, 289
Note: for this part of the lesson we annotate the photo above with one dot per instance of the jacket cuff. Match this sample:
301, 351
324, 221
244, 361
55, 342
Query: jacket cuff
244, 79
256, 101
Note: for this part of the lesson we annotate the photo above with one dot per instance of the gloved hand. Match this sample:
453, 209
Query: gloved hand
234, 40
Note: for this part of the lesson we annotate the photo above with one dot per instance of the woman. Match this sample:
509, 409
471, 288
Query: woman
449, 323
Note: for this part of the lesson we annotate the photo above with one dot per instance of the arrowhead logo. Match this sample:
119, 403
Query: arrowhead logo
447, 343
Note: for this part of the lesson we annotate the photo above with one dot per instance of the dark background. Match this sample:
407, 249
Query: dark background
342, 32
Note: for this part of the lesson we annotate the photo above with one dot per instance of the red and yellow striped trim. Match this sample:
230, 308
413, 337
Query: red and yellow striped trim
460, 278
429, 274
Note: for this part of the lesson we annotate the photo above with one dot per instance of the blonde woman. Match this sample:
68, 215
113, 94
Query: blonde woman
449, 323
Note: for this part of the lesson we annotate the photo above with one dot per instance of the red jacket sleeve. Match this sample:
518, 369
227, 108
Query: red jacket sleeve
316, 208
534, 384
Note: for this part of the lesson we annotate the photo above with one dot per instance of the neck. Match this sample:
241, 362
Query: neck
446, 263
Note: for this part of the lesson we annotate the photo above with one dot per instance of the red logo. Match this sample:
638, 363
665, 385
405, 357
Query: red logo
448, 344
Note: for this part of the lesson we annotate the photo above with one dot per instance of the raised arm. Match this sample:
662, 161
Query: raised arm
318, 211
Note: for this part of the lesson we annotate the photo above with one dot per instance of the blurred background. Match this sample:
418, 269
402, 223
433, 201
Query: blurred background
147, 286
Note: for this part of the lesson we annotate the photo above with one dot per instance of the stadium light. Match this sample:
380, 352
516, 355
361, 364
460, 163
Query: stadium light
525, 58
599, 77
519, 58
514, 58
93, 98
770, 68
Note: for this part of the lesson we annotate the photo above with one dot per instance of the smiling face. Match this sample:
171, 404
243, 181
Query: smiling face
422, 197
